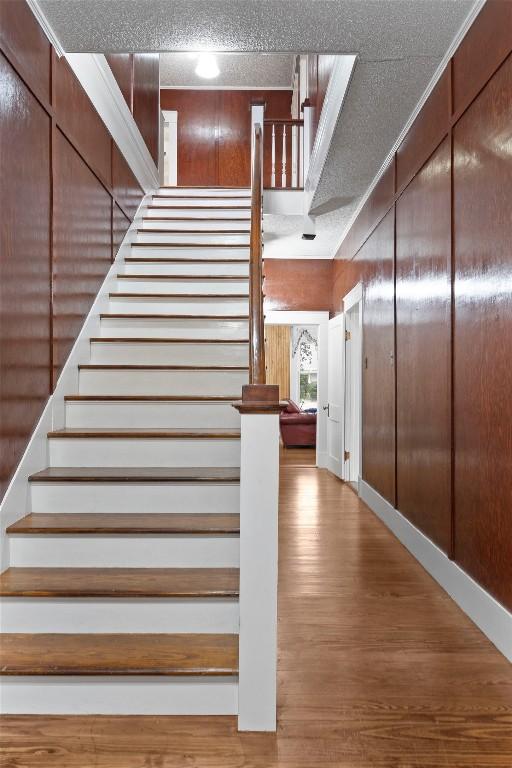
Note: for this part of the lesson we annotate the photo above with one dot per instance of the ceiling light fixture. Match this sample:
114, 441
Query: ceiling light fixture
207, 66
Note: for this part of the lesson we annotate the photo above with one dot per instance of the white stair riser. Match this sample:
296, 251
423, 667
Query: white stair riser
194, 202
151, 382
175, 222
200, 213
189, 252
134, 551
134, 284
189, 328
192, 237
154, 353
116, 695
120, 615
141, 452
206, 268
205, 191
177, 415
134, 498
179, 306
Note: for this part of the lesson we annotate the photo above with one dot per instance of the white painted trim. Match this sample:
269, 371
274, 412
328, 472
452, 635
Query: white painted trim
46, 26
470, 18
259, 502
95, 75
353, 297
331, 110
283, 317
16, 502
491, 617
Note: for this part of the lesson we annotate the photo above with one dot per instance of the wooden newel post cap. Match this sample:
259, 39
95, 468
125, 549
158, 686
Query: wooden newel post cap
260, 398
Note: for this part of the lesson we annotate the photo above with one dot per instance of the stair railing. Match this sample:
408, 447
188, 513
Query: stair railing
256, 316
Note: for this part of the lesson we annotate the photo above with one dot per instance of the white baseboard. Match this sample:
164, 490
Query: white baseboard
491, 617
16, 501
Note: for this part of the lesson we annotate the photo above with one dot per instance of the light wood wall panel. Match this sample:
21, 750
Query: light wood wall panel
277, 357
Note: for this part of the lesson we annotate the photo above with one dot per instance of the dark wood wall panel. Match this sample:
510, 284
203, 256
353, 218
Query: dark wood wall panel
423, 353
426, 133
125, 186
78, 119
82, 245
298, 284
483, 49
146, 98
214, 129
320, 67
24, 41
66, 199
453, 236
376, 260
483, 337
120, 225
121, 65
24, 267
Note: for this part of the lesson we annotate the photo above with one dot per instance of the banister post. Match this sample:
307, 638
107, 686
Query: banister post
257, 116
259, 498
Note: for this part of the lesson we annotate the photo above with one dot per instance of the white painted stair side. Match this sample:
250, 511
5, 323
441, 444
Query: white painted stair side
149, 414
220, 224
176, 284
134, 497
212, 203
144, 381
172, 327
230, 214
186, 305
187, 267
163, 251
160, 352
205, 191
218, 238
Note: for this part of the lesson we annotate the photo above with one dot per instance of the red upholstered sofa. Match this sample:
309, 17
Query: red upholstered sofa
297, 427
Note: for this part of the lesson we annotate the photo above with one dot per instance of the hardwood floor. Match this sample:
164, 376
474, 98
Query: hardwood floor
297, 457
377, 667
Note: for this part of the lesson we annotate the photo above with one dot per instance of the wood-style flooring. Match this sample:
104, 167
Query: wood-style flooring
377, 667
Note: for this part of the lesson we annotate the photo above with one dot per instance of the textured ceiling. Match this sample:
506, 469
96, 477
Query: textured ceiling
399, 43
241, 70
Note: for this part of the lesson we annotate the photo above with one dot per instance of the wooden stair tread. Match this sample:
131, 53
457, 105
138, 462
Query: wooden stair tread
213, 296
119, 654
193, 231
146, 260
189, 245
199, 433
175, 278
146, 367
119, 582
160, 340
166, 316
122, 523
137, 475
151, 398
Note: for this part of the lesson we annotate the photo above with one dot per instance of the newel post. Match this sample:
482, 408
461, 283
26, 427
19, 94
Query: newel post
259, 497
257, 116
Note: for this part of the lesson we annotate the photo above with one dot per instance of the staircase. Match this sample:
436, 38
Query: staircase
122, 594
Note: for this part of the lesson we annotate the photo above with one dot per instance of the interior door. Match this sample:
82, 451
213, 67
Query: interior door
335, 404
352, 416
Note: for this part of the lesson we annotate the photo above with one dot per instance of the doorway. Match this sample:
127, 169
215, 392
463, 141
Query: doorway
352, 422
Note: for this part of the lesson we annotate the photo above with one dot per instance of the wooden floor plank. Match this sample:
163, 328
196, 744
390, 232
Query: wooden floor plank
377, 667
119, 582
120, 654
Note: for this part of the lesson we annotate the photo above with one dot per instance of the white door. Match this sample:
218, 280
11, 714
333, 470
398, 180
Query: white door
352, 415
335, 406
170, 147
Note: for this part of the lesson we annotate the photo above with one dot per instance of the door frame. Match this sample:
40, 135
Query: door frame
320, 319
351, 301
337, 466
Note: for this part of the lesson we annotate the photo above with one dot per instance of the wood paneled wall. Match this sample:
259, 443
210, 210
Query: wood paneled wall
214, 133
67, 197
298, 284
277, 358
138, 77
432, 247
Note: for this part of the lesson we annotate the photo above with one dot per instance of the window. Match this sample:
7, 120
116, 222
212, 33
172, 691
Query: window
305, 355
